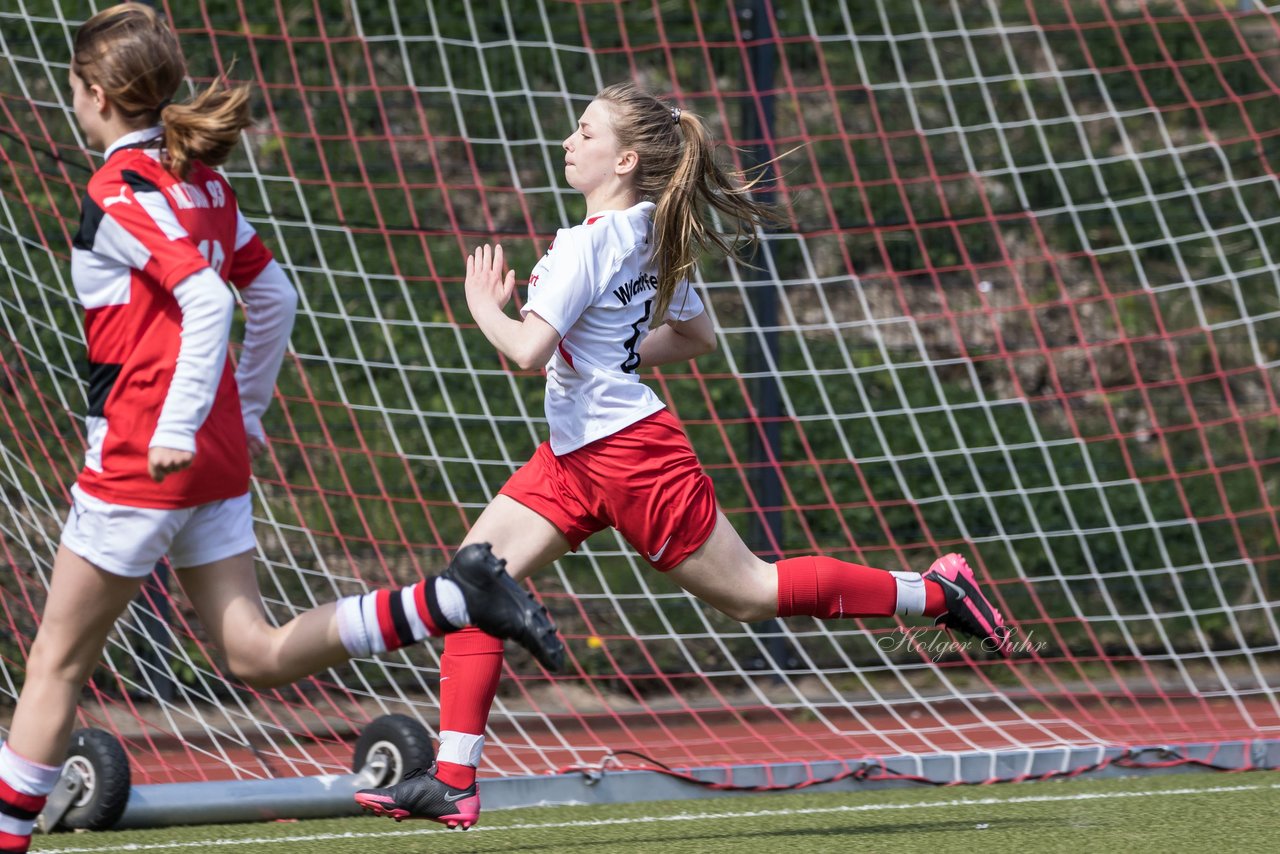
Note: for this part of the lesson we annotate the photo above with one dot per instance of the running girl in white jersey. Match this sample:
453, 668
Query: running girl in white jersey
171, 428
612, 295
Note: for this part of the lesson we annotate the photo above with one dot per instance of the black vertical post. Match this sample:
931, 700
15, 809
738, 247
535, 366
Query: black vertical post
765, 443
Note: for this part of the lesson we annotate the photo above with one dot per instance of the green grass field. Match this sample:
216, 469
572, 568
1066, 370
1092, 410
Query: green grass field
1180, 812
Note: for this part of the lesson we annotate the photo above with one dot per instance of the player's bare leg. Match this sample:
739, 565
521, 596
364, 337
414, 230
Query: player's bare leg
729, 577
226, 597
83, 605
726, 575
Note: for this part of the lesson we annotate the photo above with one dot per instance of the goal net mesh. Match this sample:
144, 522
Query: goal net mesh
1025, 306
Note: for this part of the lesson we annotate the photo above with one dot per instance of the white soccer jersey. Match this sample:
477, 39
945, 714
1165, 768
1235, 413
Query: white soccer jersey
596, 285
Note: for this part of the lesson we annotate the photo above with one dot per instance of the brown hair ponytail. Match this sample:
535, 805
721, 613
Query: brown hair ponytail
134, 56
207, 128
677, 170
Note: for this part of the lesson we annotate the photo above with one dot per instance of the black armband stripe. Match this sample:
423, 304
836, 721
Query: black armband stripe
90, 218
399, 620
102, 379
15, 811
138, 183
433, 607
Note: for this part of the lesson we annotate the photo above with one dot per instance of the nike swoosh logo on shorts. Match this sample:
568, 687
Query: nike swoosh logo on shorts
660, 552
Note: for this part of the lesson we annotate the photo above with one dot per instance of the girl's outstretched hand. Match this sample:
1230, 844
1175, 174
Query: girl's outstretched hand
527, 340
489, 282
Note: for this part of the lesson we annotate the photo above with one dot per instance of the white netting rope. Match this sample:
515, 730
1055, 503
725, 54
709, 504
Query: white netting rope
396, 423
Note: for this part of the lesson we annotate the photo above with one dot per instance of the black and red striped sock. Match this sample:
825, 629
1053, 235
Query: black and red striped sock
390, 619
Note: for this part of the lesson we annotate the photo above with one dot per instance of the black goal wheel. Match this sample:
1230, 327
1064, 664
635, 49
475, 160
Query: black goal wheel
102, 768
391, 746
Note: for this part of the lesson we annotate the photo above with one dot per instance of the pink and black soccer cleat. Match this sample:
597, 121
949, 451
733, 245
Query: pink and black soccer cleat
968, 610
421, 796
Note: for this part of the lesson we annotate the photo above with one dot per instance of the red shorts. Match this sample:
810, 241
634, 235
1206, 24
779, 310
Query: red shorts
643, 480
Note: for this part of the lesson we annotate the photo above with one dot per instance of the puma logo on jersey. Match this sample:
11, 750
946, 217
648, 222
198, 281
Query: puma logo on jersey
122, 197
642, 282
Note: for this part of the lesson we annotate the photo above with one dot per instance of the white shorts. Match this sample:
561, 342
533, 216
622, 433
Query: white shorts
128, 541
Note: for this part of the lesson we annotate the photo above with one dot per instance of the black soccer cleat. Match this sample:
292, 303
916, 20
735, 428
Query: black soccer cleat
499, 606
421, 796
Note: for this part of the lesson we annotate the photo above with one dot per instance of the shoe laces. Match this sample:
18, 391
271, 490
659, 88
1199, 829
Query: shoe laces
414, 774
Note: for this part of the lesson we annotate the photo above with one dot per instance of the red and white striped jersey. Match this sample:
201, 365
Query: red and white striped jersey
142, 232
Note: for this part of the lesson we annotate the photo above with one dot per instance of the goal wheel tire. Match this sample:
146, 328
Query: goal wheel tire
391, 746
97, 757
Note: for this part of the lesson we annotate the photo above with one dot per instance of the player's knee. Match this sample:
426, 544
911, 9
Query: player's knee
257, 674
752, 598
748, 610
60, 664
254, 665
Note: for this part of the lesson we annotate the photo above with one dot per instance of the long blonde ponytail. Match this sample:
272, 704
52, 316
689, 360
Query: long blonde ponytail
677, 170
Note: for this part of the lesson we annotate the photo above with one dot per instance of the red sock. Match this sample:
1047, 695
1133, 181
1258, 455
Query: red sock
827, 588
11, 843
935, 601
469, 673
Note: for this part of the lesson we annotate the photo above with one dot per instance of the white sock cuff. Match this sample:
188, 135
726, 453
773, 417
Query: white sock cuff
372, 628
452, 605
417, 628
911, 596
351, 627
27, 777
460, 748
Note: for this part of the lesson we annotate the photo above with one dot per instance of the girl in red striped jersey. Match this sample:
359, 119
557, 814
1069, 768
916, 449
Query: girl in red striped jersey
171, 428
